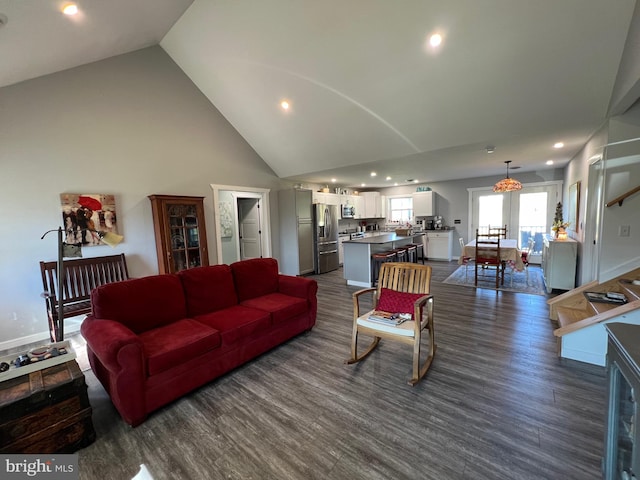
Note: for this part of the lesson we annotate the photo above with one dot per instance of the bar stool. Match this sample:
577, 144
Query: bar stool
419, 254
401, 253
412, 253
377, 259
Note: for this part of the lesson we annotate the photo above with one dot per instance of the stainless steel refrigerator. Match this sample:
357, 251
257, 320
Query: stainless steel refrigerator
325, 221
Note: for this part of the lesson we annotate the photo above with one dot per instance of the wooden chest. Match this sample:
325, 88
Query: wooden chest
46, 411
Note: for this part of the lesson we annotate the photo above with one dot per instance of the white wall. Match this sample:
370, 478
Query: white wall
622, 175
131, 125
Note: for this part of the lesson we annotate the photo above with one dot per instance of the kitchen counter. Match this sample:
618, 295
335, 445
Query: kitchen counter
386, 238
357, 254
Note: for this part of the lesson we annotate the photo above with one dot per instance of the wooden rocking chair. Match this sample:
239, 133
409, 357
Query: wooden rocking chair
402, 288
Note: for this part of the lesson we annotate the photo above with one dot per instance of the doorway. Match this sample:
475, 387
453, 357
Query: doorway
242, 223
249, 231
528, 213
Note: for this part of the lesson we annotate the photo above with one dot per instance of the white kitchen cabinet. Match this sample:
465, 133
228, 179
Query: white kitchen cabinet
440, 244
327, 198
559, 263
424, 204
372, 204
341, 240
358, 203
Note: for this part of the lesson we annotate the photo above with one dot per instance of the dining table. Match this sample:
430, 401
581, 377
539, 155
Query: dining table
509, 252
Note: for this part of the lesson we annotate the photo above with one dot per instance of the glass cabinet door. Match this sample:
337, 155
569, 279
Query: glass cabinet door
622, 427
185, 238
180, 232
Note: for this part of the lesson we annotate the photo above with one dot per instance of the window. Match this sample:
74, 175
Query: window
401, 209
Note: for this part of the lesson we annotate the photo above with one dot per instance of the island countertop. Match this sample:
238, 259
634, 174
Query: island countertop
357, 268
384, 238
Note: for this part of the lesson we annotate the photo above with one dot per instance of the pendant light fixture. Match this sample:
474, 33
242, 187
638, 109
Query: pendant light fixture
507, 184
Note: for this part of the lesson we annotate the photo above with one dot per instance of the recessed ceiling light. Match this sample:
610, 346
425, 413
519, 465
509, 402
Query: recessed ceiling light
549, 162
388, 178
435, 40
395, 184
373, 174
70, 9
415, 181
558, 145
363, 184
284, 104
333, 180
490, 148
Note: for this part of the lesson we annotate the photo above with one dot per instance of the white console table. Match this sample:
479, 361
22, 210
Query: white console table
559, 263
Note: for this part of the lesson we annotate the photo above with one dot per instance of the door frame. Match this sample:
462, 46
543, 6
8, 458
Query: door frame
246, 196
511, 207
242, 192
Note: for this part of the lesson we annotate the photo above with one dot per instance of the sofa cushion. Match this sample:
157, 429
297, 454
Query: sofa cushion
170, 345
142, 303
281, 307
255, 277
235, 323
208, 289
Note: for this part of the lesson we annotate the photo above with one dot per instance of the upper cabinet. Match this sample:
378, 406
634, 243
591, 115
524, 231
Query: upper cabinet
327, 198
366, 204
373, 207
181, 238
358, 204
424, 204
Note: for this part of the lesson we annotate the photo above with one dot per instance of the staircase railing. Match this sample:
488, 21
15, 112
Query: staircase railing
619, 199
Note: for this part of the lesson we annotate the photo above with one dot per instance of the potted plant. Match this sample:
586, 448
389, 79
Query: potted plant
559, 225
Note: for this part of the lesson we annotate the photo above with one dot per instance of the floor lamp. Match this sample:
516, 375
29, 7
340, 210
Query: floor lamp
66, 250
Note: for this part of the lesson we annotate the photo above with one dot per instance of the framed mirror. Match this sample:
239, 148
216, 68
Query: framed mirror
574, 207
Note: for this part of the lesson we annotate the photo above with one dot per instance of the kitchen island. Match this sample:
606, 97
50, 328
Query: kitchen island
357, 254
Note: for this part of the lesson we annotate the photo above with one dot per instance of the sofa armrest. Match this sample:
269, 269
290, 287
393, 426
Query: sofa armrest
107, 338
297, 286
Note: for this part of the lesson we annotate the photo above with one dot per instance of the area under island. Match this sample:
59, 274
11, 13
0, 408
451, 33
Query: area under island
357, 255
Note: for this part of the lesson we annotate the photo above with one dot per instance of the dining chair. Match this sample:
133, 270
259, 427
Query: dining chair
464, 259
488, 257
524, 255
502, 231
403, 288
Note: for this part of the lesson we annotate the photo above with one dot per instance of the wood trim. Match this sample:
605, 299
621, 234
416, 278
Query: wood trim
608, 315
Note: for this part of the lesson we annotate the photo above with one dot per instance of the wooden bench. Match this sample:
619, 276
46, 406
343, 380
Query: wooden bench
80, 277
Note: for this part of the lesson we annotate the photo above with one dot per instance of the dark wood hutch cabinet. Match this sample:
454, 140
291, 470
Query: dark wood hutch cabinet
181, 237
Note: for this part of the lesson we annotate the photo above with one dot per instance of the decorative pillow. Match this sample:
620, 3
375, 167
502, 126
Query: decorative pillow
397, 302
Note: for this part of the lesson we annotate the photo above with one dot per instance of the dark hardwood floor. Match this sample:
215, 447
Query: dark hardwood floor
496, 404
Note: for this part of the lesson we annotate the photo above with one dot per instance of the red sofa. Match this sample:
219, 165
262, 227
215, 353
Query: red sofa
151, 340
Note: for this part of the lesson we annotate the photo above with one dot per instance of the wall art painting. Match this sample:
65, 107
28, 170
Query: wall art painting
84, 214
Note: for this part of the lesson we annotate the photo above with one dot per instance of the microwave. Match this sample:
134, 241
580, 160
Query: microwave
348, 211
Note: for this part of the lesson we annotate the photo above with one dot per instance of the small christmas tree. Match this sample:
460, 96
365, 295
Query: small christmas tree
558, 221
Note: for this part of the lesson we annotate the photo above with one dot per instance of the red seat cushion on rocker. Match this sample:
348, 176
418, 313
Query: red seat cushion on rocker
174, 344
281, 307
397, 302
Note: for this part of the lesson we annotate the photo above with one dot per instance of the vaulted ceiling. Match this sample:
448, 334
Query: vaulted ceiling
366, 90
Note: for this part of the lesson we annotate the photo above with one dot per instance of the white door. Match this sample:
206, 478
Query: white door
594, 204
526, 213
249, 228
